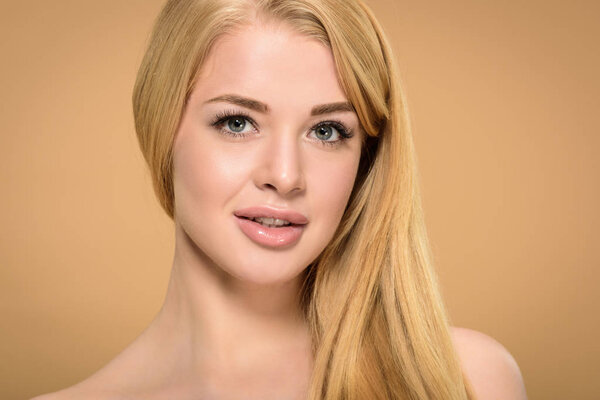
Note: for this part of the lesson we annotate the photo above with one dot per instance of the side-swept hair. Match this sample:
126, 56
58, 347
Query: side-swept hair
378, 324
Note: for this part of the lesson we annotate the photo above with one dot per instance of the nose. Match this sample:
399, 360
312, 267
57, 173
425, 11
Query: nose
280, 168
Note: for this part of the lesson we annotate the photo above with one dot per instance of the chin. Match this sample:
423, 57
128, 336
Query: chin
267, 271
244, 261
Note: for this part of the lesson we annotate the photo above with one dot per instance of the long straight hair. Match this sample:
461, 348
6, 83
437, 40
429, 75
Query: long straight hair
379, 328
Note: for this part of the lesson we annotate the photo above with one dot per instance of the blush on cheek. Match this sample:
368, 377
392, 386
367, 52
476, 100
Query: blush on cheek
210, 167
225, 168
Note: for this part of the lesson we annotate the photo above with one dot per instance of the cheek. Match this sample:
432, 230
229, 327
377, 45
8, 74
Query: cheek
332, 185
205, 174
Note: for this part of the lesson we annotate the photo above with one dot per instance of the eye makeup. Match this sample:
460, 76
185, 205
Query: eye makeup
221, 120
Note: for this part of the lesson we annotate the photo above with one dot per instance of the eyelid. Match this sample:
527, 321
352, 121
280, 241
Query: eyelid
224, 115
338, 125
344, 132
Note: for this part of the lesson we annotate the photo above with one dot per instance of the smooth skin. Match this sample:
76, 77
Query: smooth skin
231, 326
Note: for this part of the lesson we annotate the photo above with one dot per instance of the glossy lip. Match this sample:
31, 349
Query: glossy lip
271, 237
292, 216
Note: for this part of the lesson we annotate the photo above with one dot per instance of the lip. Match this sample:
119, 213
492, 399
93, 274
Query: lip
270, 212
271, 237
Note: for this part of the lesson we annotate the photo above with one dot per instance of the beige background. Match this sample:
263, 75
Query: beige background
505, 104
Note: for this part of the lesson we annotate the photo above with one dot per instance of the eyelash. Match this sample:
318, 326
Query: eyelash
223, 116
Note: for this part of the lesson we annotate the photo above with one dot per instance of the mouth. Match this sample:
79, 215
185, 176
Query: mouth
271, 227
272, 216
270, 222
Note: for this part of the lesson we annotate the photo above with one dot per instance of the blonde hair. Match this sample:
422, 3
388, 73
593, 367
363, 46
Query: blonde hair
371, 298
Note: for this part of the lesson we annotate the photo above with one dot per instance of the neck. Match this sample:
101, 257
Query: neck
219, 321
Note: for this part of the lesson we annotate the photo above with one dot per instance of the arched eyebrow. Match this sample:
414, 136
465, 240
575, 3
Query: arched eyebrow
342, 106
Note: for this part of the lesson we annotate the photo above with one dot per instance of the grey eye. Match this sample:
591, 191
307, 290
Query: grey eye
324, 132
236, 124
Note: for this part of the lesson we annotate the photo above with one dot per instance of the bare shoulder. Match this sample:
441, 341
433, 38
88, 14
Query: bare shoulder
100, 386
76, 393
131, 375
490, 368
82, 392
117, 380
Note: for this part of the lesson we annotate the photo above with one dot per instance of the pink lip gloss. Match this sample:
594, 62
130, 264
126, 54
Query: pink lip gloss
270, 237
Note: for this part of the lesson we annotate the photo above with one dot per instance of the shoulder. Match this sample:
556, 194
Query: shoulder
78, 393
119, 379
75, 394
491, 370
91, 388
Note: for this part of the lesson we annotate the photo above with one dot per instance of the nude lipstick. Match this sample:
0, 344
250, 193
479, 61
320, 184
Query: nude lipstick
271, 227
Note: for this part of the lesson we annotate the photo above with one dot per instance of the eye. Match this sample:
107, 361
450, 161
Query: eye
236, 124
325, 132
233, 123
331, 132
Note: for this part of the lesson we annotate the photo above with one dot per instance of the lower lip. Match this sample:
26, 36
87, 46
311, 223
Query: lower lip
271, 237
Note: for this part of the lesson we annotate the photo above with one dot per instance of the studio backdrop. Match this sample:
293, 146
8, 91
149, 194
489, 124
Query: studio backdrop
504, 101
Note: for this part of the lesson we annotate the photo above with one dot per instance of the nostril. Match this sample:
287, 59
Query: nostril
281, 182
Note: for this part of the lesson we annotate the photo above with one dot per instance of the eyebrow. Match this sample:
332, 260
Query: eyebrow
263, 108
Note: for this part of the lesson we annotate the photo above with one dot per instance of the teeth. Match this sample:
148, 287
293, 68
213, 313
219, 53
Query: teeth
271, 222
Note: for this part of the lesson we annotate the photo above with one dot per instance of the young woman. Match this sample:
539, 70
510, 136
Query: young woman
277, 140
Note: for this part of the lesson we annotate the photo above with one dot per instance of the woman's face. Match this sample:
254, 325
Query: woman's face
267, 133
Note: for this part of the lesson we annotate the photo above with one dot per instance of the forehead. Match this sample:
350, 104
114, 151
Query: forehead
272, 63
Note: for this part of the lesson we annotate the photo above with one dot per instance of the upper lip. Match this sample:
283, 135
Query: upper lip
291, 216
